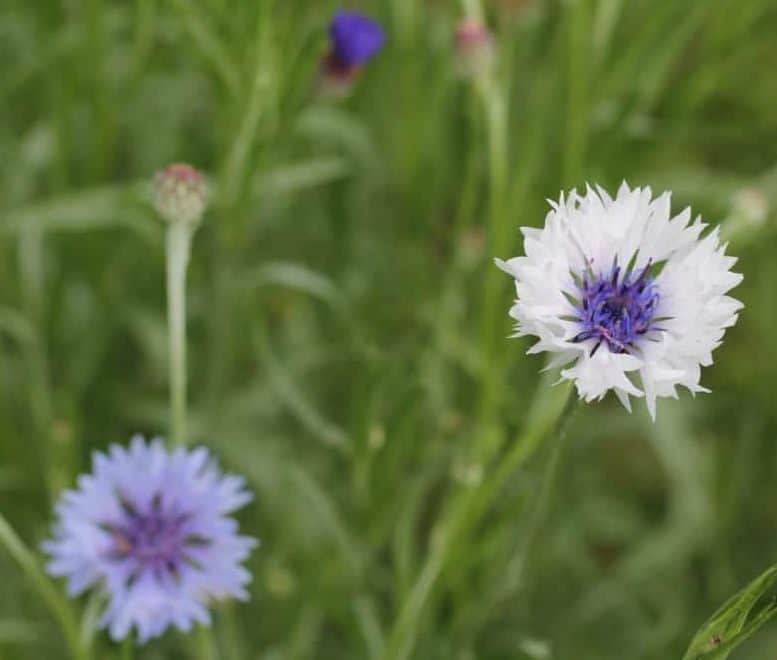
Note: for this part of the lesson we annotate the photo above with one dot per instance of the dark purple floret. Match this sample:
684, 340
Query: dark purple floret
616, 311
355, 38
158, 539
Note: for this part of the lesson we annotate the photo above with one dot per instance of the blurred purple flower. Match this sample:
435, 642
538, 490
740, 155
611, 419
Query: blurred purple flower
151, 527
355, 39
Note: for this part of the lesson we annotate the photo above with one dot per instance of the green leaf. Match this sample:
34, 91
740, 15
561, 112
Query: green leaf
297, 177
48, 592
19, 631
297, 402
297, 277
335, 127
95, 208
737, 620
369, 624
330, 517
16, 325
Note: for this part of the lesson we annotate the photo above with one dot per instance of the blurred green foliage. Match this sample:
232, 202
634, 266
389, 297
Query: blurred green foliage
347, 324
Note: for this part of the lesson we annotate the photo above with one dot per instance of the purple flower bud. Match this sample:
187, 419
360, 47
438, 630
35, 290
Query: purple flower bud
355, 39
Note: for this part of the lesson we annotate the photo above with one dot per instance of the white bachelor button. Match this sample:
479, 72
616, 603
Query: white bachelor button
617, 288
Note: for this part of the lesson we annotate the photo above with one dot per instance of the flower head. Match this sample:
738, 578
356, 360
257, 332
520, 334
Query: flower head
619, 288
151, 527
180, 193
355, 39
475, 48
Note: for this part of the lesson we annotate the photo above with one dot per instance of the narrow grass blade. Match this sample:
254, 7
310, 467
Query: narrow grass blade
737, 620
48, 593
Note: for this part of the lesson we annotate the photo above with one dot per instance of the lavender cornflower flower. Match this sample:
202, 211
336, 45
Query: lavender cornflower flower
151, 527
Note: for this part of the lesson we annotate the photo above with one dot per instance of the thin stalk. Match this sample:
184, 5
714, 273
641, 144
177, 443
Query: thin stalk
257, 110
405, 18
472, 9
494, 102
526, 446
31, 273
48, 593
495, 107
466, 511
127, 649
145, 14
547, 487
202, 644
232, 645
179, 240
94, 58
403, 637
577, 103
179, 237
209, 44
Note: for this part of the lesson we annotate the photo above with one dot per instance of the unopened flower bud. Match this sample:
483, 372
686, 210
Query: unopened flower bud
180, 194
354, 40
749, 212
475, 49
751, 206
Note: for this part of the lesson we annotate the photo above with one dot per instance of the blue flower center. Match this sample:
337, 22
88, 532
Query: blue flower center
155, 538
616, 311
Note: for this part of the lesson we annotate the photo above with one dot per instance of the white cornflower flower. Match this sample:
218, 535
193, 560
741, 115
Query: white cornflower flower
618, 288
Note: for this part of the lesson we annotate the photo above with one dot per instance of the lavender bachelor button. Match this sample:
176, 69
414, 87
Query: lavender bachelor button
152, 528
355, 38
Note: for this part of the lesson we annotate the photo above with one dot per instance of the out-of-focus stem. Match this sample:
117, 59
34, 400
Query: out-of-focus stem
465, 512
209, 44
472, 8
577, 103
127, 649
179, 237
203, 644
145, 11
495, 110
49, 594
31, 260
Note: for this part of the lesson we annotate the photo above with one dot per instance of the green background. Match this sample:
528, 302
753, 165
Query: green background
347, 327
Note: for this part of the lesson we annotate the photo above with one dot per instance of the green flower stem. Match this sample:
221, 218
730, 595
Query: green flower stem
543, 428
492, 98
542, 504
31, 272
145, 16
48, 592
472, 9
207, 41
127, 649
466, 510
179, 238
579, 46
202, 644
494, 282
494, 103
